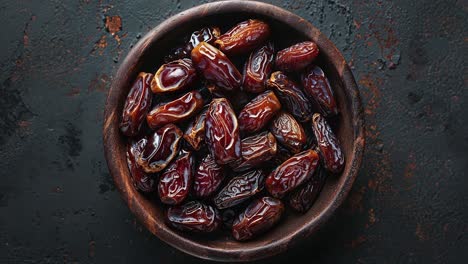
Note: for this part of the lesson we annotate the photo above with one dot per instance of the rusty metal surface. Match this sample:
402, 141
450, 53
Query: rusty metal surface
57, 199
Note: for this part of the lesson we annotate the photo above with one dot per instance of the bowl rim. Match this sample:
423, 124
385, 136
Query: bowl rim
111, 132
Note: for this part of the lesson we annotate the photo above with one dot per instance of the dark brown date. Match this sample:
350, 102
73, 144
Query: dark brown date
206, 34
256, 151
257, 69
222, 131
239, 189
282, 154
208, 177
258, 112
296, 57
176, 180
291, 96
243, 37
195, 132
194, 216
328, 144
316, 85
260, 216
159, 149
175, 111
288, 132
304, 196
174, 76
177, 54
141, 180
216, 67
228, 216
292, 173
137, 105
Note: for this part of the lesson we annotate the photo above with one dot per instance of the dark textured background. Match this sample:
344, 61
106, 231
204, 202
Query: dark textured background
57, 199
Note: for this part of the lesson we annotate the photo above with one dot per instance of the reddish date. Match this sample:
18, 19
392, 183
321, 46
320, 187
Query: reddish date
194, 216
206, 34
137, 105
292, 173
260, 216
216, 67
258, 68
222, 131
258, 112
296, 57
159, 149
208, 177
195, 132
243, 37
174, 76
141, 180
304, 197
239, 189
316, 85
175, 111
328, 144
291, 96
256, 151
176, 180
288, 132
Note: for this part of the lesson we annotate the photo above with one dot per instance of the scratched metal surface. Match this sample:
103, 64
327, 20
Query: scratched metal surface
58, 202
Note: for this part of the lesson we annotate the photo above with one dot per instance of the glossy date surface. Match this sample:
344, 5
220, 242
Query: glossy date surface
258, 112
216, 67
141, 180
206, 34
256, 151
291, 96
261, 215
243, 37
208, 177
317, 86
328, 144
292, 173
176, 180
175, 111
222, 131
297, 56
195, 132
159, 148
257, 69
137, 105
174, 76
288, 132
239, 189
194, 216
305, 196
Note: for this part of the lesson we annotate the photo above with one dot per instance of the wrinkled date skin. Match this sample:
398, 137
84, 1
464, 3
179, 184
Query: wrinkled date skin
296, 57
216, 67
317, 86
239, 189
175, 111
174, 76
137, 105
328, 144
194, 216
208, 177
206, 34
258, 68
288, 132
256, 151
258, 112
261, 215
291, 96
195, 132
243, 37
176, 180
141, 180
160, 148
222, 132
292, 173
305, 196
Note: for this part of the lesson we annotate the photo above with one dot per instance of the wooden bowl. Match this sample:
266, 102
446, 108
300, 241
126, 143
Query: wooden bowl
287, 29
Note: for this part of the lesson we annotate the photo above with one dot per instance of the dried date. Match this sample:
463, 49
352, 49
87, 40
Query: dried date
305, 196
292, 173
258, 112
257, 69
174, 76
288, 132
194, 216
260, 216
141, 180
296, 57
328, 144
239, 189
195, 132
177, 54
137, 105
291, 96
206, 34
317, 86
208, 177
176, 180
256, 151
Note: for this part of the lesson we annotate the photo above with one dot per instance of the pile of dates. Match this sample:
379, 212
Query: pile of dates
225, 148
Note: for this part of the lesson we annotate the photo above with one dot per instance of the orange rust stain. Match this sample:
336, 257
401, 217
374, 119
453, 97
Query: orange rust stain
372, 184
99, 83
354, 202
113, 24
372, 218
357, 24
420, 233
410, 167
100, 45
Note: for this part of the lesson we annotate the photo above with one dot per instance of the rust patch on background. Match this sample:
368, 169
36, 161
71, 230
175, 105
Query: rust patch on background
354, 202
410, 167
99, 83
113, 24
372, 218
